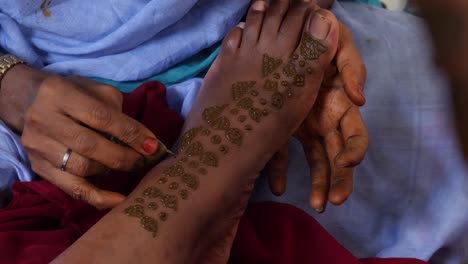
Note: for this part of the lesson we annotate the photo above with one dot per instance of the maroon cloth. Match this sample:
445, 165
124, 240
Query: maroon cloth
41, 221
277, 233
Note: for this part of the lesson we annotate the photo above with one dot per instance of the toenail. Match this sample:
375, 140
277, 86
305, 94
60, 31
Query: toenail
319, 26
259, 6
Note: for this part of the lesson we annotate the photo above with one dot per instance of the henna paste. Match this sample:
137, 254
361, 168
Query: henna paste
311, 48
234, 135
163, 216
277, 100
173, 186
211, 113
152, 192
194, 149
223, 149
216, 139
183, 194
170, 201
289, 69
242, 118
239, 89
270, 64
193, 164
150, 224
299, 80
221, 123
206, 132
162, 180
153, 206
188, 136
255, 114
209, 159
174, 171
245, 103
135, 211
270, 85
191, 181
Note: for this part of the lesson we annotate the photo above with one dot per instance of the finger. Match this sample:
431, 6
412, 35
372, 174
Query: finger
75, 186
351, 67
54, 152
319, 172
278, 168
102, 117
103, 92
356, 138
90, 144
341, 180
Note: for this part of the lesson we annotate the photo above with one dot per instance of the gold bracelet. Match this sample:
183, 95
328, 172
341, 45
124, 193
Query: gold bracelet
6, 63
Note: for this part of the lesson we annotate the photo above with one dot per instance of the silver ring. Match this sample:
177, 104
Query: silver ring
66, 157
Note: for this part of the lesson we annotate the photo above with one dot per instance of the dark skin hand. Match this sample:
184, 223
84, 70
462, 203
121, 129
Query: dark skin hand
333, 136
54, 113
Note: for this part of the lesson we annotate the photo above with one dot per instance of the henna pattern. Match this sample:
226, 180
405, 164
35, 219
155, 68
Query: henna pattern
183, 194
311, 48
270, 85
270, 64
187, 170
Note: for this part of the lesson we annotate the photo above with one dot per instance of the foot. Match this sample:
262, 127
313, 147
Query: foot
254, 97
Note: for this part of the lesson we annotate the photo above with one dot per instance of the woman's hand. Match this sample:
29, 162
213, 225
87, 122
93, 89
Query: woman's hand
67, 113
333, 136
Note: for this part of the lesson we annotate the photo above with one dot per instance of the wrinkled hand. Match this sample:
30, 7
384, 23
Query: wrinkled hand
61, 116
333, 136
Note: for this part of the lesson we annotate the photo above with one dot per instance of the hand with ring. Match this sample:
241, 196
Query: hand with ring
63, 143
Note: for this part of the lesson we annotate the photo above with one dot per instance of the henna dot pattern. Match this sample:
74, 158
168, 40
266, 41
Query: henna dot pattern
183, 194
201, 146
163, 216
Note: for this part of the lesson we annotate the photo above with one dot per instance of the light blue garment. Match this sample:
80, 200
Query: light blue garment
14, 163
410, 194
177, 74
120, 40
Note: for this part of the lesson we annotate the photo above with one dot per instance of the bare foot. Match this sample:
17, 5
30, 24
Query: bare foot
254, 97
257, 93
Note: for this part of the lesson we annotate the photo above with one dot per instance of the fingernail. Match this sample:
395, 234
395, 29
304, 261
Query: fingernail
241, 25
259, 6
149, 146
320, 210
319, 26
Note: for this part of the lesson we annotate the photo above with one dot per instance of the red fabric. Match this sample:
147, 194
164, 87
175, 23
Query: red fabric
41, 221
279, 233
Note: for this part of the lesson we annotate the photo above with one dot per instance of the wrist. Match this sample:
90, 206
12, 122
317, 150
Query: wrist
18, 88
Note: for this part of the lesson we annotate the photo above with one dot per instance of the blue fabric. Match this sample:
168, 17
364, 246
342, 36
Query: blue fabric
14, 163
177, 74
119, 40
411, 192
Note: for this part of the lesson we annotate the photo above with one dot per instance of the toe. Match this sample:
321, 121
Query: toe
290, 31
253, 24
319, 43
273, 19
233, 39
